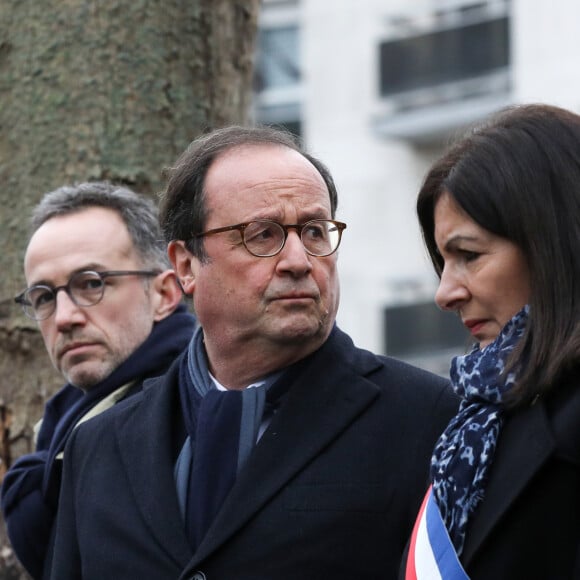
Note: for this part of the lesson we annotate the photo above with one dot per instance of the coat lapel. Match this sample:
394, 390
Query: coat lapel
326, 397
525, 444
144, 437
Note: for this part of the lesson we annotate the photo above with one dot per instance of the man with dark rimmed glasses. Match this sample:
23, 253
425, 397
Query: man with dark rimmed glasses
273, 448
109, 309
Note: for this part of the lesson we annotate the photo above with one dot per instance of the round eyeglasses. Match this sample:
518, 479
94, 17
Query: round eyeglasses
265, 238
85, 288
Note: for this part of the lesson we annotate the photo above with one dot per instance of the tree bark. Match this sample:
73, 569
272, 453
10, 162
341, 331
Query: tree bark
115, 90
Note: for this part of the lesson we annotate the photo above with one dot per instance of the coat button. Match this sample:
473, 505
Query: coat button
198, 576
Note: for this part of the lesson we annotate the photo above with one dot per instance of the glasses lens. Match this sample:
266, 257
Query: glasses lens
86, 288
320, 237
263, 238
38, 302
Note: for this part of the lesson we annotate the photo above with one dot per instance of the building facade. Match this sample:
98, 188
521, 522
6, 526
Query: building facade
377, 88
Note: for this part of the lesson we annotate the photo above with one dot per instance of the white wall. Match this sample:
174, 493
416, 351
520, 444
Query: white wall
381, 257
382, 261
546, 50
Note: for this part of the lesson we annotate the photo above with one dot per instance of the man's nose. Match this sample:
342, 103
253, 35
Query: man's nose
293, 256
66, 312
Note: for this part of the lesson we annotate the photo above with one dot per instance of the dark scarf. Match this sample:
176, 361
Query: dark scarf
62, 412
464, 452
222, 429
30, 488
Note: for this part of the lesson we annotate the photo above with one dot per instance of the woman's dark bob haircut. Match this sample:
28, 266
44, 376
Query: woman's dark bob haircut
518, 176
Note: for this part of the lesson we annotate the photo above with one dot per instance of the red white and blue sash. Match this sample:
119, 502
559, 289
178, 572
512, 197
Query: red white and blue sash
431, 553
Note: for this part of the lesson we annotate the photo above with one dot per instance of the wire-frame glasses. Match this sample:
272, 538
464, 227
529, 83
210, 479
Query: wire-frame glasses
85, 288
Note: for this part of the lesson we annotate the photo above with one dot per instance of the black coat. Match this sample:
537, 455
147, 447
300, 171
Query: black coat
528, 525
30, 489
330, 491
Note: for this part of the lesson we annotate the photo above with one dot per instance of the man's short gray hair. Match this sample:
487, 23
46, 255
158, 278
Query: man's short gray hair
138, 212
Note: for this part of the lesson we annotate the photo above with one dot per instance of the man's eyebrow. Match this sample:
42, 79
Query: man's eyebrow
92, 267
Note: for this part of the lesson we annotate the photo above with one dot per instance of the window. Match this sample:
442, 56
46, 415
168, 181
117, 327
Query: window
448, 54
278, 78
422, 334
444, 56
277, 64
442, 70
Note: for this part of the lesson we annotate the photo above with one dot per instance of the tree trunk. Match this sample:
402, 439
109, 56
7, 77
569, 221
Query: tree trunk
115, 90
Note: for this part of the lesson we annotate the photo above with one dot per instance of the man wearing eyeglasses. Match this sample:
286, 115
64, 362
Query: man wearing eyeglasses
109, 309
273, 448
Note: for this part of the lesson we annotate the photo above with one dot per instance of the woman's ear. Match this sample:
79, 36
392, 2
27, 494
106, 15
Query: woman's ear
184, 263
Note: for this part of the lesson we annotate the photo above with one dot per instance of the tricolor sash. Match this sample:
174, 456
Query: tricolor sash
431, 553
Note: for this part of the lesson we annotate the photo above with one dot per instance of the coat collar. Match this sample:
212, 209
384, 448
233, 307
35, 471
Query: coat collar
327, 397
528, 439
332, 378
145, 438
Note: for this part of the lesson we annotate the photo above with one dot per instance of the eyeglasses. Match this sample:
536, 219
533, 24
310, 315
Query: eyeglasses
85, 288
265, 238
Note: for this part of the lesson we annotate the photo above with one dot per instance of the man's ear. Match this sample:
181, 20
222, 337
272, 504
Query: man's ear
167, 294
184, 263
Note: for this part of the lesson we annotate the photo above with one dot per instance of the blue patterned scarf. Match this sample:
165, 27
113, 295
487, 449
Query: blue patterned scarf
464, 452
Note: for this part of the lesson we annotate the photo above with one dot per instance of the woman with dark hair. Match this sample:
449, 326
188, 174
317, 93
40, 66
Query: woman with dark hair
500, 217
